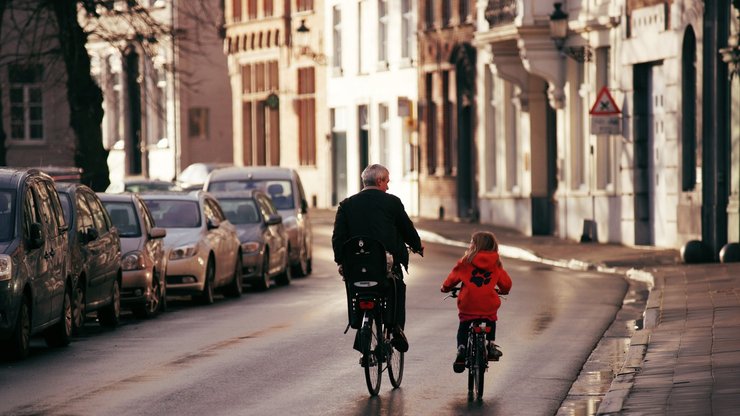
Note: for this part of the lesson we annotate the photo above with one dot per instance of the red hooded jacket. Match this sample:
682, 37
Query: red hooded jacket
478, 297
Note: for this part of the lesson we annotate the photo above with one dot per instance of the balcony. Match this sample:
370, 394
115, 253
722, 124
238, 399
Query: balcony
500, 12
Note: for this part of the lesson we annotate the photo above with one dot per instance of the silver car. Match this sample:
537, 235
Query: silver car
284, 187
143, 289
204, 250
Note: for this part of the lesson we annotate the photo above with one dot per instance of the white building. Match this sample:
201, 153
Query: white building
372, 90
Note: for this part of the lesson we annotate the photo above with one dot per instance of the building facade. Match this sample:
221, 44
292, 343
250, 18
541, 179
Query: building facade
447, 109
161, 67
372, 94
279, 89
663, 174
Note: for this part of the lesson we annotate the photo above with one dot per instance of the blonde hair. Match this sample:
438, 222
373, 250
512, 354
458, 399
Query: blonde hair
481, 241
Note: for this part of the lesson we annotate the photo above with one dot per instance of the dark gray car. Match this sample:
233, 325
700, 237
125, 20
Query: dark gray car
35, 281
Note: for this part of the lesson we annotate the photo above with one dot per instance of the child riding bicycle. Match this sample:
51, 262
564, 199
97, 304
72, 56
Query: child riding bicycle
483, 278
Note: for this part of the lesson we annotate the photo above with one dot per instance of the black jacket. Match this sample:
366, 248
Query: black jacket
378, 215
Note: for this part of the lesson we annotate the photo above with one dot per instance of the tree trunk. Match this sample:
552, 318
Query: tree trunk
84, 95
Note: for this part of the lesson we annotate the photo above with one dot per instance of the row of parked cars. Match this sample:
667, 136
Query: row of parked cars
66, 252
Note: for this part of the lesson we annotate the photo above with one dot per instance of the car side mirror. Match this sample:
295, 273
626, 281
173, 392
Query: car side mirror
157, 232
36, 236
274, 219
304, 206
213, 223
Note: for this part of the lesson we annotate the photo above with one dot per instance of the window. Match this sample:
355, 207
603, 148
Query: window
252, 9
383, 33
429, 14
260, 121
448, 124
464, 9
98, 212
236, 10
306, 104
26, 103
304, 5
688, 117
161, 104
198, 123
337, 37
84, 215
268, 8
383, 134
446, 12
431, 124
407, 29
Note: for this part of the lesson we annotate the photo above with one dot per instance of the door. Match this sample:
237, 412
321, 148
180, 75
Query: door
363, 135
37, 262
339, 166
657, 158
106, 248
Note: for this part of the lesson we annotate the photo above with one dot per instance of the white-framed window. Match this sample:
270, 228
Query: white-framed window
384, 129
511, 116
26, 103
337, 37
382, 34
578, 142
407, 30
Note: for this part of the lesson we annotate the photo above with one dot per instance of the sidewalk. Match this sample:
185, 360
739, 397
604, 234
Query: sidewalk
686, 359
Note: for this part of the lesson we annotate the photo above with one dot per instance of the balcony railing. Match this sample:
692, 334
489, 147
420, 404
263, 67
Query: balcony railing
500, 12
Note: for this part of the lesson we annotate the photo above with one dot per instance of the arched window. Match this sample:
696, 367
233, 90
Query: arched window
688, 124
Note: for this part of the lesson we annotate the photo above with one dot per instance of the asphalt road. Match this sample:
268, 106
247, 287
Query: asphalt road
284, 352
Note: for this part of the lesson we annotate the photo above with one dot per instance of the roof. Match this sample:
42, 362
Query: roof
10, 177
250, 172
172, 195
246, 194
120, 197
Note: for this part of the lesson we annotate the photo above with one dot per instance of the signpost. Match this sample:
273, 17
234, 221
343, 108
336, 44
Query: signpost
606, 118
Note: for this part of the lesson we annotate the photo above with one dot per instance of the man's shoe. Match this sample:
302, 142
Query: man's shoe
493, 352
459, 365
399, 341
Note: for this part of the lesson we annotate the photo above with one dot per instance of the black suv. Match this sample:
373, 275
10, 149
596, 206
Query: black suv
35, 283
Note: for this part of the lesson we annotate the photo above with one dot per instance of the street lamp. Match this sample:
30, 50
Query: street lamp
303, 40
559, 32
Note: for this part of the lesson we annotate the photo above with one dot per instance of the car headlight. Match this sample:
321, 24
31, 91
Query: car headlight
250, 246
6, 267
133, 261
183, 252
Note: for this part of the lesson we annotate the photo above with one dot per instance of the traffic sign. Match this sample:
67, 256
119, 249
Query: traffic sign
605, 105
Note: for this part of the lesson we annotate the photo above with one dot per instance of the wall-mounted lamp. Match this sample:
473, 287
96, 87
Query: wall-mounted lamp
559, 32
303, 40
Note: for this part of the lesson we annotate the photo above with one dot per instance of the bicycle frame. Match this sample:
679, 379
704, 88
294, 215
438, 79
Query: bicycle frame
477, 358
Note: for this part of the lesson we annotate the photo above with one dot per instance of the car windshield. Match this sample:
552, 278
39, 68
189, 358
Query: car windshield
240, 211
170, 213
280, 191
123, 215
7, 223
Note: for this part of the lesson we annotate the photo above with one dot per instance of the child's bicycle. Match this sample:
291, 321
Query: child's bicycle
476, 354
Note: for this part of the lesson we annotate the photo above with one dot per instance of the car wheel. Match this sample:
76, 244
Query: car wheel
59, 334
18, 344
263, 280
286, 276
110, 315
153, 300
301, 268
234, 289
206, 297
78, 308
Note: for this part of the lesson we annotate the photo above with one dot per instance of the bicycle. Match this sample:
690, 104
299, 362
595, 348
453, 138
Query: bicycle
367, 273
476, 353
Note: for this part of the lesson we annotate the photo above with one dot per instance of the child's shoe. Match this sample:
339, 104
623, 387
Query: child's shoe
459, 365
493, 352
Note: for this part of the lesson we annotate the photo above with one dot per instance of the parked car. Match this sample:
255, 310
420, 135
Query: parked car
262, 235
204, 250
95, 252
143, 260
284, 187
35, 280
140, 184
194, 175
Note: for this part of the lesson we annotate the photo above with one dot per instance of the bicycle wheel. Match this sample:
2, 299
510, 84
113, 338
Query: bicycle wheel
395, 364
470, 362
372, 355
481, 361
